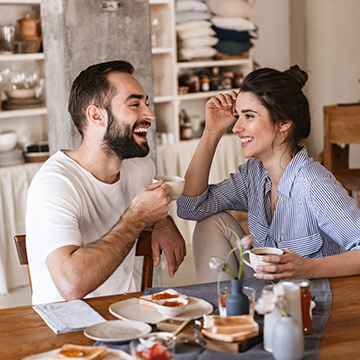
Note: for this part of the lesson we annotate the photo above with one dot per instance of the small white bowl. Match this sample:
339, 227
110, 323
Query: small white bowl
8, 140
20, 93
175, 183
164, 306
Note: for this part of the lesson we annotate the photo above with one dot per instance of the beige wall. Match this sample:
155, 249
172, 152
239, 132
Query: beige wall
322, 36
333, 59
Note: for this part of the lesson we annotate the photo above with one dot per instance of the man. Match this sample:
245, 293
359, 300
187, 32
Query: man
86, 207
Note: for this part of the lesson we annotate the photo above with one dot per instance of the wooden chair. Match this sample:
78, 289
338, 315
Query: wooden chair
342, 128
143, 248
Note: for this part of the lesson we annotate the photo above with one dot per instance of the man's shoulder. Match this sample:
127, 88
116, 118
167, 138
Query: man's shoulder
58, 167
144, 164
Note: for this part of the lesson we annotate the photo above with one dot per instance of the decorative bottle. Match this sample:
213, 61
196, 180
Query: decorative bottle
270, 320
237, 303
288, 339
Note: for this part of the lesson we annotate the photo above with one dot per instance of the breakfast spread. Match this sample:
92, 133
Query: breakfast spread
79, 352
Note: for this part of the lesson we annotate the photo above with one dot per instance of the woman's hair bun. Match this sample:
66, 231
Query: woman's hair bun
297, 75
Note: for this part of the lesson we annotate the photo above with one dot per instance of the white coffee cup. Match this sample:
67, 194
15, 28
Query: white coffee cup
175, 183
256, 256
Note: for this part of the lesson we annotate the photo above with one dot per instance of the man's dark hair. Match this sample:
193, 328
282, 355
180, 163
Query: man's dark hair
93, 87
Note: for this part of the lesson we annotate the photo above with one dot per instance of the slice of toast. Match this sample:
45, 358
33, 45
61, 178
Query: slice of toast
80, 352
230, 328
227, 321
149, 300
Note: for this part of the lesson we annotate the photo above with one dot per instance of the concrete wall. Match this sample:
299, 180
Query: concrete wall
78, 34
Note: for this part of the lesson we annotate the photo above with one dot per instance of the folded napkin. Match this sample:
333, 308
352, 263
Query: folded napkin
64, 317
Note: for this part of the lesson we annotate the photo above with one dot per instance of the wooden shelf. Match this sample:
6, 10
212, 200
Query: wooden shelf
20, 2
203, 94
212, 63
7, 114
158, 2
163, 99
161, 50
21, 57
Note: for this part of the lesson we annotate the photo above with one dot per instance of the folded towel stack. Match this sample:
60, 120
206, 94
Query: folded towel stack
232, 25
195, 36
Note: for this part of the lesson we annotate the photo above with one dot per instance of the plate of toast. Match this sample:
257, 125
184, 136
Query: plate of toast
144, 308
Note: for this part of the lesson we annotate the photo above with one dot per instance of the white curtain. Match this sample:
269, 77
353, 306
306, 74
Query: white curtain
14, 183
174, 160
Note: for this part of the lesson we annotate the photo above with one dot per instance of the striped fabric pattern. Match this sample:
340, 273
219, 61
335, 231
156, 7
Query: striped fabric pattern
314, 217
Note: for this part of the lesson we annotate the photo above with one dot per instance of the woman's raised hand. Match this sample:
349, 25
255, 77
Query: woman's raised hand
219, 115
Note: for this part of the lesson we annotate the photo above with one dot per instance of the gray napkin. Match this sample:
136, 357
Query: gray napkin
64, 317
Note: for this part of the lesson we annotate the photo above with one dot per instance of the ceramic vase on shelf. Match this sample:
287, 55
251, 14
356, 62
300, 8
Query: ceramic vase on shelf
237, 303
287, 339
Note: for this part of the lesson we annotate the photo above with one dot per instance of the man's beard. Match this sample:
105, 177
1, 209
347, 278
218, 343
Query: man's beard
120, 141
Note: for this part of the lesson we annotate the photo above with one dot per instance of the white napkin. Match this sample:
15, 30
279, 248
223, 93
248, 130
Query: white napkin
75, 315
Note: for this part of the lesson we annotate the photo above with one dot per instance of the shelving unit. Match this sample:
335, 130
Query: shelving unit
164, 61
32, 121
166, 69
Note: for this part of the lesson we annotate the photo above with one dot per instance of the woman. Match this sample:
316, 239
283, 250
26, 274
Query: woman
293, 202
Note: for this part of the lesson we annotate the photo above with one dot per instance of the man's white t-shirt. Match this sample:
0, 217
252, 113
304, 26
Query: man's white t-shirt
67, 205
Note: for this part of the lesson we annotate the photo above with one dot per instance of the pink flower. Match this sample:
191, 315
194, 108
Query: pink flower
216, 264
267, 302
246, 242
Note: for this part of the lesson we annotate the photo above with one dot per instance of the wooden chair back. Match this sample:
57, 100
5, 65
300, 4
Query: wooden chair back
342, 128
143, 248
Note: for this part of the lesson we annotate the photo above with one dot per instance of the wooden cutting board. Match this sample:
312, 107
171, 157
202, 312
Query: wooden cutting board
187, 337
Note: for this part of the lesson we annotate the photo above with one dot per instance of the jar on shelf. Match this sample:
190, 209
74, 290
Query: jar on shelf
205, 83
193, 82
238, 79
155, 33
215, 81
185, 126
227, 80
29, 32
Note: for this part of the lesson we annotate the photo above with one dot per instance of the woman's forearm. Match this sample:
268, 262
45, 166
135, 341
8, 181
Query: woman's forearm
345, 264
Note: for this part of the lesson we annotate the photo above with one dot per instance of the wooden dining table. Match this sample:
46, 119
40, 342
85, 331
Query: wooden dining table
23, 332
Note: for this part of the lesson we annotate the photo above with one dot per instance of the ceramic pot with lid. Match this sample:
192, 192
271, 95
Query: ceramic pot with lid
29, 32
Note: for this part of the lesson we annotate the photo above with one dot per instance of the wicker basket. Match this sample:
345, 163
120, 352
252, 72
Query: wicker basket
36, 157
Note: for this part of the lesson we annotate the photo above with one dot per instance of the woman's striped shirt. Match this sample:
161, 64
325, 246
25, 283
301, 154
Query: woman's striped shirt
314, 217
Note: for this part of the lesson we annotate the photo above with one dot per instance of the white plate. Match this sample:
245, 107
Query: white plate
117, 330
112, 354
131, 310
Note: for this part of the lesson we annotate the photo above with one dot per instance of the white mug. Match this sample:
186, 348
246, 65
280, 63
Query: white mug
175, 183
256, 256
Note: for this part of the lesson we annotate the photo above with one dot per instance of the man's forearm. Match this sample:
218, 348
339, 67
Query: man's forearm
83, 269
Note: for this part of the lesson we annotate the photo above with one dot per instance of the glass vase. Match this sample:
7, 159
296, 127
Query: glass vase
237, 303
